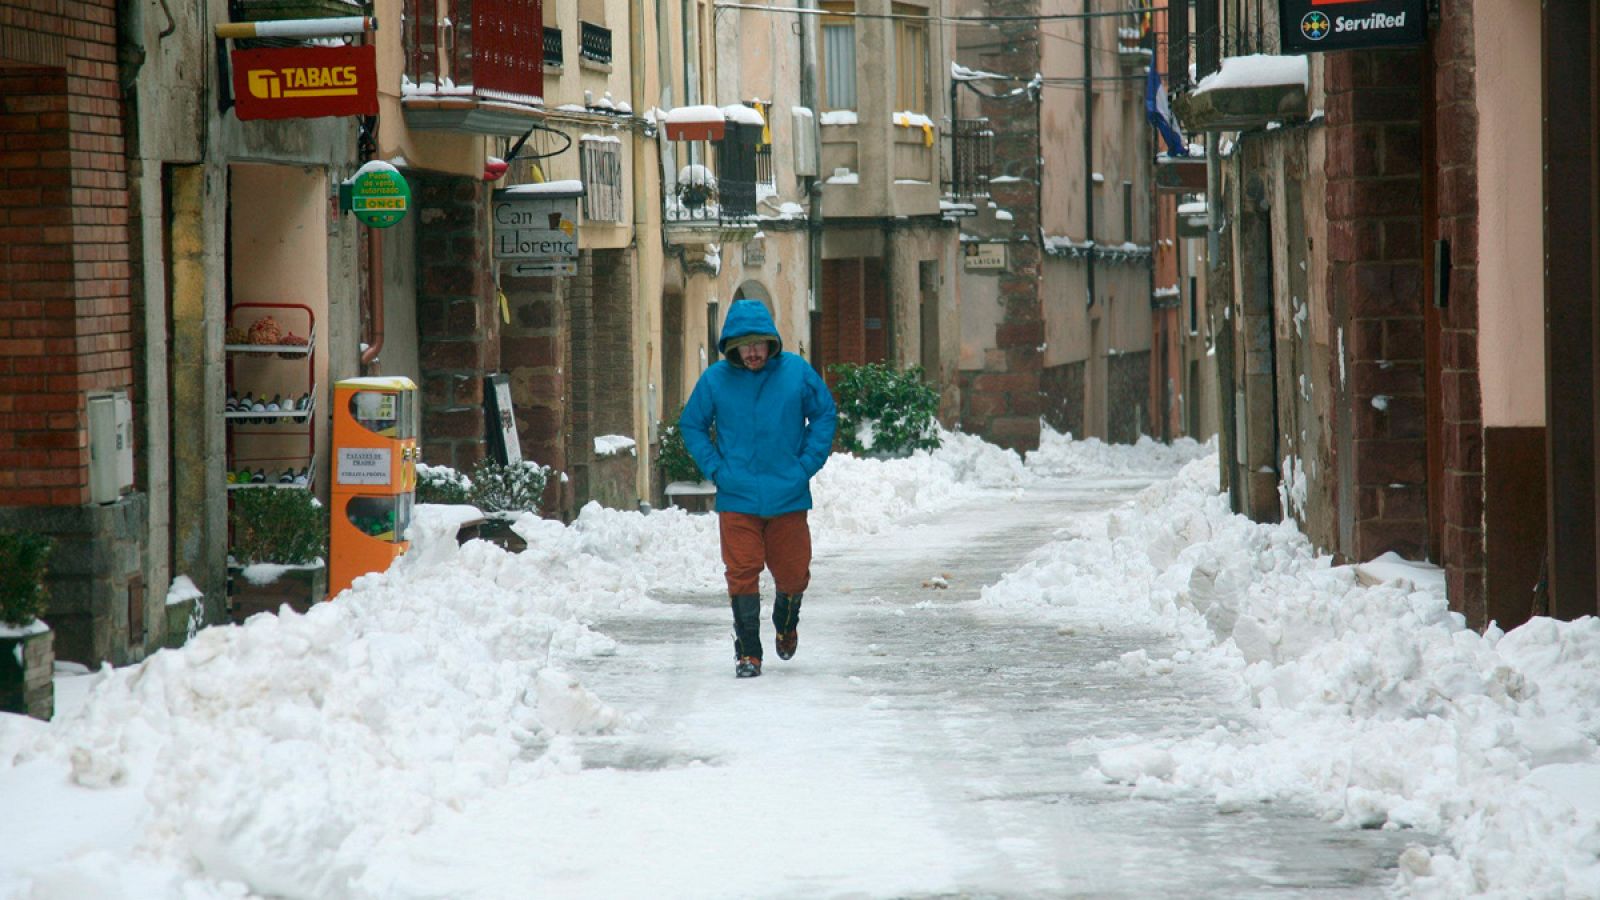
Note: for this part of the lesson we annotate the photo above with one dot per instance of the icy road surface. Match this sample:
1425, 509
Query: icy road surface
917, 746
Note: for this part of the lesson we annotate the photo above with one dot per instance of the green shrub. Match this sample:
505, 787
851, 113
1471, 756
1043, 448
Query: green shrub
442, 484
883, 411
272, 525
511, 488
673, 457
23, 555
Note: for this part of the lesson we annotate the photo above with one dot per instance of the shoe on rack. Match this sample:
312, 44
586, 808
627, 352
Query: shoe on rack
747, 667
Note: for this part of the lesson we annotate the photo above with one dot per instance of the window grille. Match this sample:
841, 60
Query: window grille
596, 40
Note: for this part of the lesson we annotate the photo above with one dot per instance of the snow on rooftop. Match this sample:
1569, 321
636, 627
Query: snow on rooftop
1257, 70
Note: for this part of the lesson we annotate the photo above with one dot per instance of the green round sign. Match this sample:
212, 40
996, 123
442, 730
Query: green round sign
379, 195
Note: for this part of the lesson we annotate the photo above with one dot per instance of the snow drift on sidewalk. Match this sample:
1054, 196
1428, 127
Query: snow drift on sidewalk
1372, 702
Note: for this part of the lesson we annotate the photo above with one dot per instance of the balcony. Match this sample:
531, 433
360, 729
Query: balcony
1247, 93
472, 65
711, 197
971, 159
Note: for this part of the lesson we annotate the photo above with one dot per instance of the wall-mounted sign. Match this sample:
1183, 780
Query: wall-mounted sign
755, 252
1319, 26
535, 226
984, 256
305, 82
378, 195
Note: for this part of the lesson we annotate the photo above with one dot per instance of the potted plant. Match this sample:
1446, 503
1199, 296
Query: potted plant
686, 487
883, 412
279, 549
696, 187
502, 492
27, 646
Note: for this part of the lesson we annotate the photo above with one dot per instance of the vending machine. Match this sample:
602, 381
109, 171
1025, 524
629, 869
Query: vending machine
374, 475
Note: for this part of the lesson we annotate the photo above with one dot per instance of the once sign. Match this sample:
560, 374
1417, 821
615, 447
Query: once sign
378, 194
1319, 26
536, 225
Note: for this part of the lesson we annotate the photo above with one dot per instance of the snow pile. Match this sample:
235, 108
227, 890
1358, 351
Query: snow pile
1372, 702
1059, 454
285, 753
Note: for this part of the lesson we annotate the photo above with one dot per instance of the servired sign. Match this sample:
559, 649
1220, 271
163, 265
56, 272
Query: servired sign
1320, 26
305, 82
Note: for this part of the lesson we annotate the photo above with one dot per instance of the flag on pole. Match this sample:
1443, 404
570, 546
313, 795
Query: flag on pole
1159, 112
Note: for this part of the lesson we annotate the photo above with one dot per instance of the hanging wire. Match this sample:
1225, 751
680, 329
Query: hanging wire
948, 20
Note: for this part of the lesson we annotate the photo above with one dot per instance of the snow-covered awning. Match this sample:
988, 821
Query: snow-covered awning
696, 123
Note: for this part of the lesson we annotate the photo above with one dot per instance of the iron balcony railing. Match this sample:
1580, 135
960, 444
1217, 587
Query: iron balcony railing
553, 53
971, 158
721, 195
479, 48
596, 43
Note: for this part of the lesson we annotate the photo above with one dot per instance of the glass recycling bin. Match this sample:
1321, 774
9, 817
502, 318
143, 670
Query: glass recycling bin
374, 475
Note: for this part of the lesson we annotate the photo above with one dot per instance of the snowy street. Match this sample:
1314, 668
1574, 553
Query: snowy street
913, 747
1072, 675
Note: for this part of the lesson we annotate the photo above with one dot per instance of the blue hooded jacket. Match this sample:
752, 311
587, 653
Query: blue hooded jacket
774, 426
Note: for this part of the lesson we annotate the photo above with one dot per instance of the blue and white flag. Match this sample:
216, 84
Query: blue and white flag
1159, 112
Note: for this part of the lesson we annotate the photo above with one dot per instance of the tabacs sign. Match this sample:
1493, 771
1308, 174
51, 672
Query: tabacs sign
1321, 26
305, 82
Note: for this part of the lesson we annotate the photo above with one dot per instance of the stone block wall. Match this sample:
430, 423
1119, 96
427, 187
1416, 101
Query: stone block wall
458, 320
27, 673
1375, 276
1127, 397
1061, 388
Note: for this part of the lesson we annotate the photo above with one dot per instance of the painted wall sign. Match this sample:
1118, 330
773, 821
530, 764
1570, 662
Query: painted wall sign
984, 256
1320, 26
378, 194
535, 228
305, 82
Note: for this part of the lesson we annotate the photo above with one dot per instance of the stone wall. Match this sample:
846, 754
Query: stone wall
1062, 390
458, 319
1127, 397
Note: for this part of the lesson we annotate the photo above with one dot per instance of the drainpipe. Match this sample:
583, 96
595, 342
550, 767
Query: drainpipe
812, 184
1088, 146
369, 356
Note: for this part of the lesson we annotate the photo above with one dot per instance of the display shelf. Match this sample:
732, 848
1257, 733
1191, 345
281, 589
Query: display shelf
297, 415
285, 351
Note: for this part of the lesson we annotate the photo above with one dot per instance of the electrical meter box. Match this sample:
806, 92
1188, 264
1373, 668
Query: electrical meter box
110, 416
374, 476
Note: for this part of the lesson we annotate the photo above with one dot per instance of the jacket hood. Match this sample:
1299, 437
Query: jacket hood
748, 317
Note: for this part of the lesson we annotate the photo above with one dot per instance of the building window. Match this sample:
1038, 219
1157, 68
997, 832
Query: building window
838, 57
911, 59
764, 145
596, 43
553, 55
601, 159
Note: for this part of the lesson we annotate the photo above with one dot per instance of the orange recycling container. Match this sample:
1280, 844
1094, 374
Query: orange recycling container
374, 475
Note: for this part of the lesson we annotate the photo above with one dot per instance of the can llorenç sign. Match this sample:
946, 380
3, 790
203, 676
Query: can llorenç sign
535, 226
305, 82
378, 195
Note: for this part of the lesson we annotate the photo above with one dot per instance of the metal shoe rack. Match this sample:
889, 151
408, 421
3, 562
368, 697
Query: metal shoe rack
264, 443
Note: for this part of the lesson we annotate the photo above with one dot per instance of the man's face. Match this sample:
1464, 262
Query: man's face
754, 355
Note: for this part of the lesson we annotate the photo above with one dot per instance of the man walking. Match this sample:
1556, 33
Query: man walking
774, 421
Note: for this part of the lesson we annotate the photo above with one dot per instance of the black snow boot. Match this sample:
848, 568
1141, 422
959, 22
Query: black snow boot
747, 634
785, 618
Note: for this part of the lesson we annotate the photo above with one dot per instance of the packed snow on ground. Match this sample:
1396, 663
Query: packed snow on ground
283, 757
1369, 698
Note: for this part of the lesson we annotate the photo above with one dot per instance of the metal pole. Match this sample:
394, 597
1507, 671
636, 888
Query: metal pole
1088, 150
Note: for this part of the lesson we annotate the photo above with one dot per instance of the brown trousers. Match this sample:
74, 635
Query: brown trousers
782, 544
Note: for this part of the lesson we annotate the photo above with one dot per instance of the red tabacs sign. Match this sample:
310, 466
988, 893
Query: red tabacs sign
305, 82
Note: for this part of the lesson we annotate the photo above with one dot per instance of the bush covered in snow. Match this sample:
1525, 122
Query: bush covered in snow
278, 526
885, 411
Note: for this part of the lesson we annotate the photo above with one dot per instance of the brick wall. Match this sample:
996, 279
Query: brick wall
614, 392
458, 321
65, 322
1375, 274
1456, 137
532, 350
843, 315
